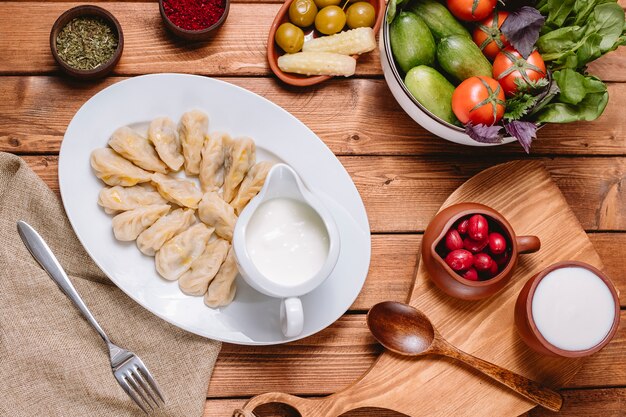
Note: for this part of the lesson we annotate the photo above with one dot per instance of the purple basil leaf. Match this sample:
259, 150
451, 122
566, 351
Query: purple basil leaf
483, 133
522, 28
524, 132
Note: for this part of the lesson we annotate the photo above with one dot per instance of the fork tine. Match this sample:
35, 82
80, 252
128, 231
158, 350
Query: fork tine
146, 374
141, 381
124, 384
133, 383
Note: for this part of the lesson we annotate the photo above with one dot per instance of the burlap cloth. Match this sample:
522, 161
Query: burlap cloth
52, 363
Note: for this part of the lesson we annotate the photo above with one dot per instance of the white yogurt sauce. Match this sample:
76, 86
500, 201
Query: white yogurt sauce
287, 241
573, 308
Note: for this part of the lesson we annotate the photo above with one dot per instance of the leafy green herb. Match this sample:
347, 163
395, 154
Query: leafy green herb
574, 86
527, 96
85, 43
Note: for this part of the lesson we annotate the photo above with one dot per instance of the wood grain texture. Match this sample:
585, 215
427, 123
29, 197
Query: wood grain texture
238, 48
36, 117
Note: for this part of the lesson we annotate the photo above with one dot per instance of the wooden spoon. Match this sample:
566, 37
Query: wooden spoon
407, 331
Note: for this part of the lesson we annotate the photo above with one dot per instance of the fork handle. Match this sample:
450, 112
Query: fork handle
42, 254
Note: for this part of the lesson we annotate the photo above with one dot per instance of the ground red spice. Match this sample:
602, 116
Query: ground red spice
194, 14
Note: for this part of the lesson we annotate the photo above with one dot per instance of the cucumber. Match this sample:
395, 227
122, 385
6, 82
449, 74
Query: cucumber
439, 20
412, 44
461, 58
432, 90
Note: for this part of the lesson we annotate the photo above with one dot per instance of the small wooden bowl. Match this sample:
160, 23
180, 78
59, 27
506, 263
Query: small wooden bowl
194, 35
87, 10
447, 279
527, 328
274, 51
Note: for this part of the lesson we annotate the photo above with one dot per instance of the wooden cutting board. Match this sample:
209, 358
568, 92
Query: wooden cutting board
434, 386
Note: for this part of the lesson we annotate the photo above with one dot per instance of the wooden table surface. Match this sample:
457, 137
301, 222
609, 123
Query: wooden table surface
402, 172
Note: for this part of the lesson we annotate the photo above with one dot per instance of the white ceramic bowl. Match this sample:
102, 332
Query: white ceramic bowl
412, 107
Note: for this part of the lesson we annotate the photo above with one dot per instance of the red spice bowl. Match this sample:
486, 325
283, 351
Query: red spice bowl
274, 51
467, 275
194, 20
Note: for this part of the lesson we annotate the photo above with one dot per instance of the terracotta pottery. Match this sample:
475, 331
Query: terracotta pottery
527, 328
447, 279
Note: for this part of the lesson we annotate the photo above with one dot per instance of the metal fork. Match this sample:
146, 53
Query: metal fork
130, 371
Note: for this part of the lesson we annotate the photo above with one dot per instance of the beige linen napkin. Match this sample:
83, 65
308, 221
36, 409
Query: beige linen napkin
52, 363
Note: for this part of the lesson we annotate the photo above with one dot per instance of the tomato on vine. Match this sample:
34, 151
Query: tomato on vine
509, 66
488, 37
471, 10
479, 100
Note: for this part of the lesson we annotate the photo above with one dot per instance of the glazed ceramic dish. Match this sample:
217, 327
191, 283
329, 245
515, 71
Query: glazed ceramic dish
448, 280
412, 107
252, 318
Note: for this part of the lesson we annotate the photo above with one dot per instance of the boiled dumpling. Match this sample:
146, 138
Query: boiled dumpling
179, 191
111, 168
137, 149
251, 185
177, 254
164, 229
162, 133
212, 165
128, 225
117, 198
222, 289
193, 126
216, 212
196, 280
240, 157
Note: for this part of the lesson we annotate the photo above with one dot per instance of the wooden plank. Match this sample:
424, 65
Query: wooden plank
337, 356
35, 118
238, 48
402, 194
609, 402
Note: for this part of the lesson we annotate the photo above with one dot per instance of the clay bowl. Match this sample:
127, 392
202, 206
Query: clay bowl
87, 10
194, 35
447, 279
527, 328
274, 51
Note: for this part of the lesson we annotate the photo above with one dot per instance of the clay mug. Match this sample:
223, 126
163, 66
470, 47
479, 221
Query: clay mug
450, 281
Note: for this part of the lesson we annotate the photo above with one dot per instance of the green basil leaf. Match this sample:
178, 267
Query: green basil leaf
608, 22
590, 108
559, 10
558, 42
589, 51
574, 86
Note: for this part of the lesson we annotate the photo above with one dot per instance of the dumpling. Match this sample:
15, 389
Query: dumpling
251, 185
164, 229
177, 254
212, 165
117, 198
222, 289
193, 126
128, 225
185, 193
240, 157
163, 135
111, 168
216, 212
196, 280
137, 149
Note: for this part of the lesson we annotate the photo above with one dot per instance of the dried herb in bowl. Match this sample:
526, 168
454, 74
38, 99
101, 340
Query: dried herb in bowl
86, 42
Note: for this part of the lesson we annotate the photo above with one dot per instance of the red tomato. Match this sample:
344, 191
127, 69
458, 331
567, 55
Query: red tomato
488, 37
471, 10
509, 66
479, 100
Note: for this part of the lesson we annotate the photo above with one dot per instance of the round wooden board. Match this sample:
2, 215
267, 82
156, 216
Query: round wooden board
434, 386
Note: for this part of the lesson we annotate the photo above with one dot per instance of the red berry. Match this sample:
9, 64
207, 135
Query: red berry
483, 262
470, 274
493, 271
453, 240
462, 227
478, 228
503, 259
473, 245
497, 243
460, 259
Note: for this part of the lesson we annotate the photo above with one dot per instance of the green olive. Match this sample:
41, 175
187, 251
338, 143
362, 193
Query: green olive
330, 20
302, 12
324, 3
360, 15
289, 37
